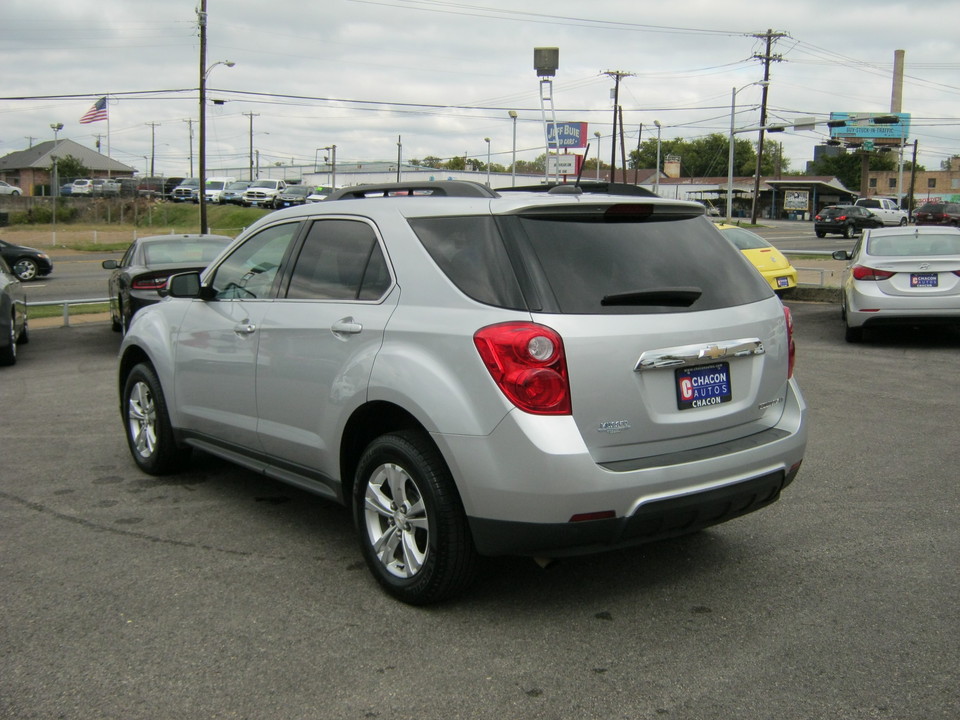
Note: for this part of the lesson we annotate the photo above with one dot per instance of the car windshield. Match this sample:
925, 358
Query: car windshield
200, 251
264, 184
909, 244
215, 184
744, 239
238, 186
297, 190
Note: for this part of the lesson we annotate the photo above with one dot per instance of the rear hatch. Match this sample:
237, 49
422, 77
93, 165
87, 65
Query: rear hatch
673, 341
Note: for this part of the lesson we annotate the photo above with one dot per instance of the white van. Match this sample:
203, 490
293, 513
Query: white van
215, 186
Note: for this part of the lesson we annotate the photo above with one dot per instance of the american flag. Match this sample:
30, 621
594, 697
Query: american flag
97, 112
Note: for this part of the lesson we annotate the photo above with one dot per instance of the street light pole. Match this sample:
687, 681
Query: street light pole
202, 137
513, 162
487, 141
730, 156
656, 178
597, 135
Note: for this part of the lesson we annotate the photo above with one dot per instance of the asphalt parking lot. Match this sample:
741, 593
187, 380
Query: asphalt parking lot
219, 594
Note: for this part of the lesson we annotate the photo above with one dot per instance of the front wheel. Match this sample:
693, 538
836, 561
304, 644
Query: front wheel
8, 353
848, 231
411, 524
903, 221
25, 269
147, 422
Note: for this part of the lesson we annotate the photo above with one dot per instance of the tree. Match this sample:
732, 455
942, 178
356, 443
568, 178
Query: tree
708, 156
69, 167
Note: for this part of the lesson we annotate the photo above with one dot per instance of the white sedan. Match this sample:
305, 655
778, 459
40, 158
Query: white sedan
7, 189
901, 276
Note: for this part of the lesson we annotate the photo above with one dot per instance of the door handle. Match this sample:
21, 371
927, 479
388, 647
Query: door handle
346, 326
246, 328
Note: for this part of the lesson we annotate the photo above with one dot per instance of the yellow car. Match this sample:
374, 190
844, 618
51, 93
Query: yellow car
774, 267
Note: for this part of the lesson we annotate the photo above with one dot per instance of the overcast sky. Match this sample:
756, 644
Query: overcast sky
441, 75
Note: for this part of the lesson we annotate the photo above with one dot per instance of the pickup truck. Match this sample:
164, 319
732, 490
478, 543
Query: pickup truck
263, 193
885, 209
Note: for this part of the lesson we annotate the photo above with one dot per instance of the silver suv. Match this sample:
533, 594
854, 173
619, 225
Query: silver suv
478, 373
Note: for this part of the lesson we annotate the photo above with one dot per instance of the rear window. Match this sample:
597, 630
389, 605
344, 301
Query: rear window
931, 208
603, 264
868, 203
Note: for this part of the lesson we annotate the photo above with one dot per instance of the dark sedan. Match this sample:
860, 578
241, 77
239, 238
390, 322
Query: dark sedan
141, 274
27, 263
13, 315
294, 195
846, 220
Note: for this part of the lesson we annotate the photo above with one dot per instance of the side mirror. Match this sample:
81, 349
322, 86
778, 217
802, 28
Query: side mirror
842, 255
184, 285
110, 264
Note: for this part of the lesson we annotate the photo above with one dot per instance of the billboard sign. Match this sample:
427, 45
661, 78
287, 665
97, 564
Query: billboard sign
563, 164
860, 126
572, 134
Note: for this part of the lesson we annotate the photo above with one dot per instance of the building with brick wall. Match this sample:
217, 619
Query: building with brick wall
30, 169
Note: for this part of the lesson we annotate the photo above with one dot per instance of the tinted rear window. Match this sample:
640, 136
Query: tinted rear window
572, 264
931, 208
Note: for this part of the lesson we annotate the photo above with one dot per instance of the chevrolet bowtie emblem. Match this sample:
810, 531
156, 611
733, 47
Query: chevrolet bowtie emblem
713, 352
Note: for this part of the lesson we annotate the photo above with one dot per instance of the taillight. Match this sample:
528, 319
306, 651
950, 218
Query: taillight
150, 282
862, 272
841, 218
791, 346
528, 364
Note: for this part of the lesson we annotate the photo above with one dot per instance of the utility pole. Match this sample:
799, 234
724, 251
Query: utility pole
189, 122
251, 116
617, 75
767, 58
153, 130
30, 140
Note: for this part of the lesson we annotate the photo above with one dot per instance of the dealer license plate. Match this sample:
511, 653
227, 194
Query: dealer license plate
703, 386
924, 280
783, 281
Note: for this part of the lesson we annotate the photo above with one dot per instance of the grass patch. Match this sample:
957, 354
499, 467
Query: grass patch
35, 312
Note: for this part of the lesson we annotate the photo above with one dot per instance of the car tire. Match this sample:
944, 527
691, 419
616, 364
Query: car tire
903, 221
8, 354
848, 231
147, 423
25, 269
14, 193
410, 521
821, 234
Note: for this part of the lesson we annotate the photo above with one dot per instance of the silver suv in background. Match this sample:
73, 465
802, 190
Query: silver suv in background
478, 373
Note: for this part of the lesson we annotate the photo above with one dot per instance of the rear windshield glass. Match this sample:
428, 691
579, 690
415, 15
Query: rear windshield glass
581, 265
914, 244
931, 208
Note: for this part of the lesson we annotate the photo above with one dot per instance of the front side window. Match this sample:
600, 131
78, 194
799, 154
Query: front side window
249, 272
339, 260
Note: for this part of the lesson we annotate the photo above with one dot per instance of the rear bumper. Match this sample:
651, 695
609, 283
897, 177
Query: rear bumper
524, 485
653, 521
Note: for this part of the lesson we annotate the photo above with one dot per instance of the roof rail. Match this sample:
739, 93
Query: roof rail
441, 188
605, 188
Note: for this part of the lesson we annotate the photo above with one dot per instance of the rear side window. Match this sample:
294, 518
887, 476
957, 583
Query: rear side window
606, 267
470, 252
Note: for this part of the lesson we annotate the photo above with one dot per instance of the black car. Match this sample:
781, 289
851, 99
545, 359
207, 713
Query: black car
846, 220
141, 274
27, 263
294, 195
942, 213
13, 315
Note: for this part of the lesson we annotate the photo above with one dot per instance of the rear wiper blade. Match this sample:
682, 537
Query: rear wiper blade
667, 297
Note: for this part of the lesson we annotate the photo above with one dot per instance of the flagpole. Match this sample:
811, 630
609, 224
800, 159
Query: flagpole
108, 137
